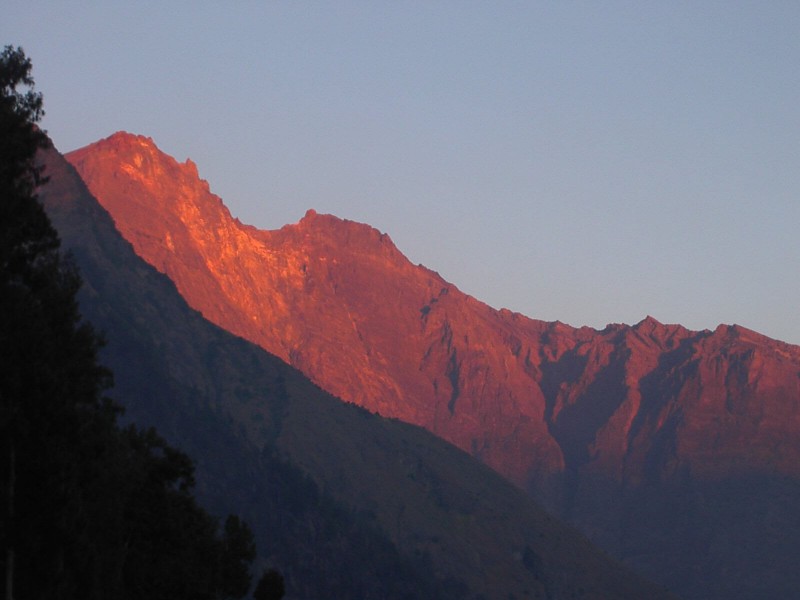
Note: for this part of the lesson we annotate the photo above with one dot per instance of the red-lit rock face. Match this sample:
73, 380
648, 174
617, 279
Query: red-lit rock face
339, 301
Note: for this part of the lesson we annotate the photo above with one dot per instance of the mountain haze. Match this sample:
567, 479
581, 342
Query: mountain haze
383, 499
676, 450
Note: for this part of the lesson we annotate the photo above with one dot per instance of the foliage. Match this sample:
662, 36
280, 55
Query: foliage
270, 586
89, 510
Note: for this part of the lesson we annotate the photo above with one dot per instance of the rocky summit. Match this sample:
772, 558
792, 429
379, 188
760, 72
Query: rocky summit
669, 447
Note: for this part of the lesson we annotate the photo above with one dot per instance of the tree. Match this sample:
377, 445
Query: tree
270, 586
89, 510
237, 553
174, 549
49, 378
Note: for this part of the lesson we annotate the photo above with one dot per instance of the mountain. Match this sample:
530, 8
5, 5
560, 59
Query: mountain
346, 503
676, 450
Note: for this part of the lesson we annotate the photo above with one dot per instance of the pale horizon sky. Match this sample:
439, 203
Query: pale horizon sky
585, 162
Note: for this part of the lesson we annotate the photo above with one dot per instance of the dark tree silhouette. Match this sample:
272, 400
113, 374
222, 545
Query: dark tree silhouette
88, 510
49, 375
238, 551
270, 586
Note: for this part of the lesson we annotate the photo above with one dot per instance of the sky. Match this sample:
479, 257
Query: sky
587, 162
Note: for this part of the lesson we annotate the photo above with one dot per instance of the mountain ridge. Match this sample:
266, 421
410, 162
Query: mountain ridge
234, 273
235, 407
590, 421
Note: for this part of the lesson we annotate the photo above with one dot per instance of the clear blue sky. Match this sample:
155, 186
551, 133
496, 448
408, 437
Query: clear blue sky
590, 162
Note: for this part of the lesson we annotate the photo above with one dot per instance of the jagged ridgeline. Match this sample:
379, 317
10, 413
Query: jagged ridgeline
675, 450
345, 503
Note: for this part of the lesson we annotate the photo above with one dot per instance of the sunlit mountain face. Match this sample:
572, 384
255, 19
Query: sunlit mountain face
345, 503
676, 450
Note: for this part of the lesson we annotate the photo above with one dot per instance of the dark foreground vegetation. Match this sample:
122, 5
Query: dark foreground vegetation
90, 509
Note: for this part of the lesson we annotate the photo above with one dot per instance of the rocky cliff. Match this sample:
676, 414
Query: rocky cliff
604, 425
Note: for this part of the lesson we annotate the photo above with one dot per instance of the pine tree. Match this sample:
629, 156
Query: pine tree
88, 510
270, 586
49, 376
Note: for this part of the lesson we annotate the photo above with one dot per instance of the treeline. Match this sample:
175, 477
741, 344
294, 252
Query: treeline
89, 509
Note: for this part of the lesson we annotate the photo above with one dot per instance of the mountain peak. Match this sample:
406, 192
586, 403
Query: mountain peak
549, 406
140, 157
123, 142
126, 137
649, 323
329, 231
256, 415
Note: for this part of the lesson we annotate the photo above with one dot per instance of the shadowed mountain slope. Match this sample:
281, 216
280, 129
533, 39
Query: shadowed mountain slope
339, 498
637, 434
